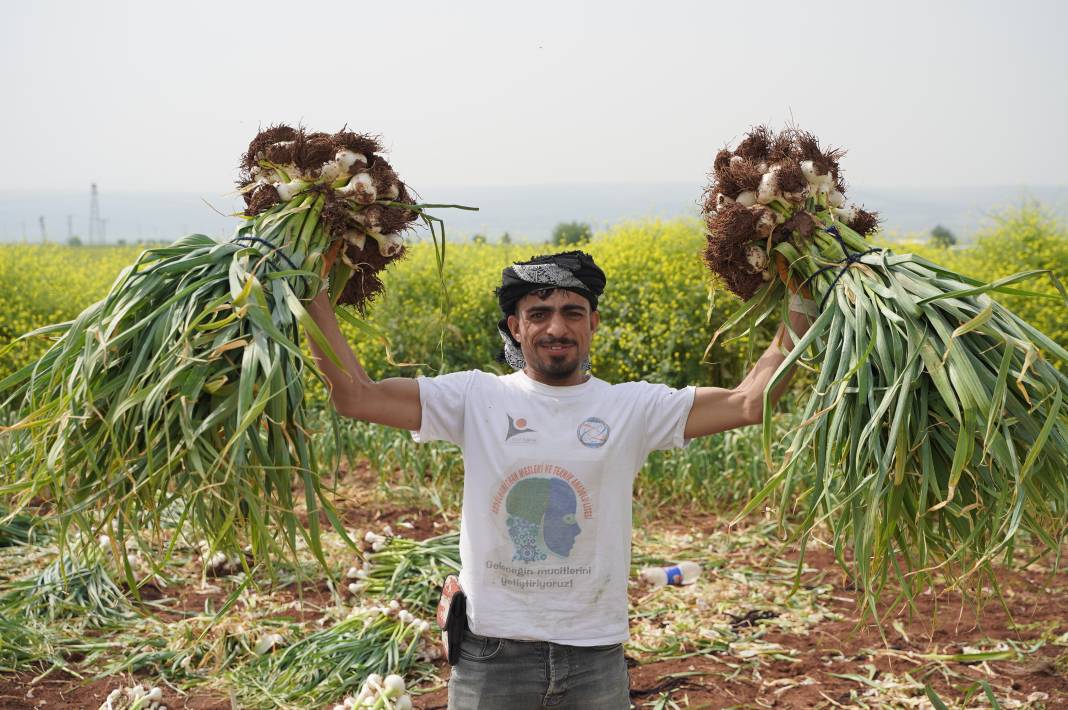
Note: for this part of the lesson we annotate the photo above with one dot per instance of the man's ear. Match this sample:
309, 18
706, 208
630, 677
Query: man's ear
513, 325
595, 320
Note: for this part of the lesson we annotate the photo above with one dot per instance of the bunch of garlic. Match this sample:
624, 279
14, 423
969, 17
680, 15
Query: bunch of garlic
387, 693
137, 697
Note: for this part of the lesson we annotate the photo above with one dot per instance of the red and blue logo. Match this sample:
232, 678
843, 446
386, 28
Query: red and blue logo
593, 433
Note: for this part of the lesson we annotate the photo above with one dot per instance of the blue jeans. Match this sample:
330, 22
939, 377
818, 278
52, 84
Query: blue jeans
502, 674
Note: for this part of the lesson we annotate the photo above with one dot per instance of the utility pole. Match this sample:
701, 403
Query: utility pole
44, 235
94, 214
70, 227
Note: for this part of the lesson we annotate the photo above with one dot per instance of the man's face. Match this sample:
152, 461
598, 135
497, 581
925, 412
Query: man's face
554, 329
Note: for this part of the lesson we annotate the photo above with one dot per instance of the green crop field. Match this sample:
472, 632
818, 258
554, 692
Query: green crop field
757, 630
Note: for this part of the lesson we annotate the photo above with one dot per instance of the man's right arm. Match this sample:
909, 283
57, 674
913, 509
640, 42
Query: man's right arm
392, 402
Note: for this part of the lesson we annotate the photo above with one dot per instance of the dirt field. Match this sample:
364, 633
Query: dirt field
738, 638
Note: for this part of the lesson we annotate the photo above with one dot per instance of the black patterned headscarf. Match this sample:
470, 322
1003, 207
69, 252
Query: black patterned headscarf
571, 270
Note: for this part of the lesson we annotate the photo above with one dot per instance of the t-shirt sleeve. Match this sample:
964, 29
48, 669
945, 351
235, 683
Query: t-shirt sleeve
667, 410
443, 400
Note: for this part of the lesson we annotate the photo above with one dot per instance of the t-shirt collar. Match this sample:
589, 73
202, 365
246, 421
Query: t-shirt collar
532, 385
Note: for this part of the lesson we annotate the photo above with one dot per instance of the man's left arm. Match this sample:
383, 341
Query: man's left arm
716, 409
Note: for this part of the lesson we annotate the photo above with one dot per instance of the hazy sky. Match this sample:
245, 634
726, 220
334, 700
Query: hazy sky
165, 96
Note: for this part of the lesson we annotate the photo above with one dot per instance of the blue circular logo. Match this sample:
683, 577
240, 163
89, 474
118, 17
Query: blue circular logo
593, 433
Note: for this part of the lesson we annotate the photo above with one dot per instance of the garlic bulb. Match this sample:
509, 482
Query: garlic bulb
361, 188
757, 257
747, 198
769, 189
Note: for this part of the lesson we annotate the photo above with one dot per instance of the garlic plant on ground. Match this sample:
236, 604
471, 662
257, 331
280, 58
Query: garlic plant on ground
18, 528
20, 644
73, 585
936, 428
183, 386
411, 571
327, 663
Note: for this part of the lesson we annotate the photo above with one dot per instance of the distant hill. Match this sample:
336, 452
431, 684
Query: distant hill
526, 212
962, 210
131, 216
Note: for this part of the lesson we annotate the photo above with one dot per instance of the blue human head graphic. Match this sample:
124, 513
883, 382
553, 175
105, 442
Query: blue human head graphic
541, 518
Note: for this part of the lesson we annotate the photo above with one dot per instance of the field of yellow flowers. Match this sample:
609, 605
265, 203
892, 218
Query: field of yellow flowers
658, 314
655, 314
48, 283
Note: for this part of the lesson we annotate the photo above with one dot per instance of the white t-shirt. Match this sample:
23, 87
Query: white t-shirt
548, 479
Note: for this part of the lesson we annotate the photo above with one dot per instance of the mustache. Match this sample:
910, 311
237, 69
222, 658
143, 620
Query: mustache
547, 342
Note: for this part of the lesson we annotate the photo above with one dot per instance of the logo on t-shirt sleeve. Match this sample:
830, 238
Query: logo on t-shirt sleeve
593, 433
517, 427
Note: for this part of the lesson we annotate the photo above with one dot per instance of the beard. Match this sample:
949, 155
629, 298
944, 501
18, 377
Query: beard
556, 368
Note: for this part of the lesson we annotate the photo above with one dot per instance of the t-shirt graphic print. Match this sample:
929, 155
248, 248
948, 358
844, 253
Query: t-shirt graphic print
541, 508
546, 521
546, 533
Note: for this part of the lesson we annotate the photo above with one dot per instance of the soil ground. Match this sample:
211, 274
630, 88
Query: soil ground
813, 676
828, 660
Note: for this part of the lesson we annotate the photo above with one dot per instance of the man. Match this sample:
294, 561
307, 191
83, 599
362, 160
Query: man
550, 456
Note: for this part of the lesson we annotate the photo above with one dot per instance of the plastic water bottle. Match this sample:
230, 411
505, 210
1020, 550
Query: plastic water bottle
678, 575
